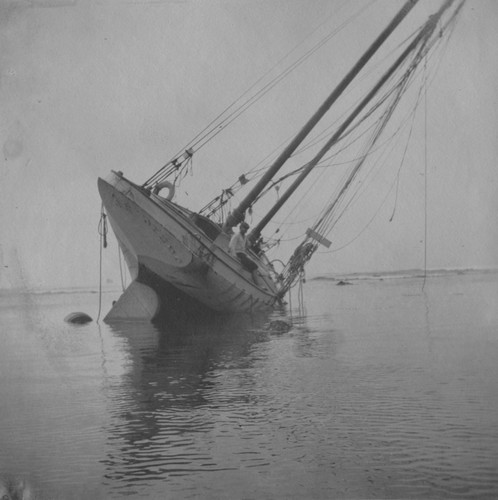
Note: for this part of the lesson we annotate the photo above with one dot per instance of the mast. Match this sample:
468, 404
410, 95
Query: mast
238, 213
425, 33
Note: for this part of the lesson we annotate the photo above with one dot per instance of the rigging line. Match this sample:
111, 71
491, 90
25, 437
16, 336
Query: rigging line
102, 230
371, 151
267, 73
319, 138
284, 142
255, 170
266, 88
408, 74
412, 68
263, 169
379, 127
395, 90
429, 53
324, 164
442, 50
412, 114
323, 136
319, 165
248, 103
275, 183
326, 224
368, 223
425, 183
414, 64
401, 89
278, 181
365, 76
369, 113
256, 173
286, 240
367, 152
355, 139
363, 229
398, 174
388, 139
298, 202
363, 157
324, 220
387, 114
329, 127
423, 54
356, 126
379, 102
356, 194
451, 23
284, 223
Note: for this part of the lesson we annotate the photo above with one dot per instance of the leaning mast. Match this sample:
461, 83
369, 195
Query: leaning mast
239, 212
424, 35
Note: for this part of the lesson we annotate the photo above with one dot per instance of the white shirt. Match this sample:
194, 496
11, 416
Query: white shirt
237, 244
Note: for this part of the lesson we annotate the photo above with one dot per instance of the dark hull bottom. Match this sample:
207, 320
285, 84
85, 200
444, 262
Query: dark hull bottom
150, 298
174, 305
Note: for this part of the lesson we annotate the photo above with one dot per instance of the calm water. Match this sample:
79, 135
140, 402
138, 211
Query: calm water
382, 390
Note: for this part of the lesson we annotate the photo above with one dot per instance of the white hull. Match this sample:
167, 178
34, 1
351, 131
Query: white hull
164, 246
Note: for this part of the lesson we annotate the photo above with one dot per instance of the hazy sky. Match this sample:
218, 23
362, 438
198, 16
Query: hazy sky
89, 86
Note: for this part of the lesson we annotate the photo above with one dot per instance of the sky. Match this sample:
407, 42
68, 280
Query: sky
92, 86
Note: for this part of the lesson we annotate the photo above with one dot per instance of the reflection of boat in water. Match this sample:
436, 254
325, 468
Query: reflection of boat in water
177, 385
15, 489
180, 259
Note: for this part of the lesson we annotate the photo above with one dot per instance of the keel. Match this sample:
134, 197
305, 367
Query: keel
138, 302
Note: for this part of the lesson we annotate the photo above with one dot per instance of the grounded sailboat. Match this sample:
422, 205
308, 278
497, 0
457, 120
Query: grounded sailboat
180, 259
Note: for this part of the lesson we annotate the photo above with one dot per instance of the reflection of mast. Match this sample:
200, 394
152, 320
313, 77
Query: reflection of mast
238, 214
424, 35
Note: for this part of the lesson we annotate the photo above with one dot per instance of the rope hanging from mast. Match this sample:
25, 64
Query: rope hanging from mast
323, 225
238, 213
180, 161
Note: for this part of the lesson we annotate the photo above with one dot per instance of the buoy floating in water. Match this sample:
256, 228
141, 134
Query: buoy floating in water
279, 326
78, 318
342, 283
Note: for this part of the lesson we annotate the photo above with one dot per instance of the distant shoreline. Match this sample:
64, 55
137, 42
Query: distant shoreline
404, 274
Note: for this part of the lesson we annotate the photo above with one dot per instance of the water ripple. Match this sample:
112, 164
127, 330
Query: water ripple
390, 393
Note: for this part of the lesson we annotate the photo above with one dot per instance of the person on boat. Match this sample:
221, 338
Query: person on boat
238, 248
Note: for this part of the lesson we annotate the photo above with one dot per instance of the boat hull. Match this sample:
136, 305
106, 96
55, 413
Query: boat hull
165, 249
